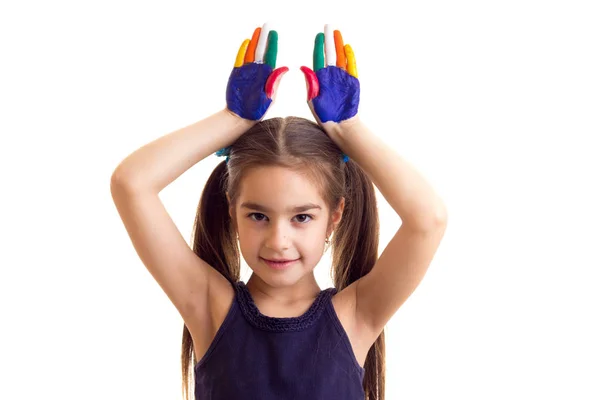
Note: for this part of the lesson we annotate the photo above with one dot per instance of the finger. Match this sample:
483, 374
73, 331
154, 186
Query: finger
273, 81
261, 45
329, 46
312, 83
339, 50
271, 55
252, 46
351, 61
318, 59
239, 60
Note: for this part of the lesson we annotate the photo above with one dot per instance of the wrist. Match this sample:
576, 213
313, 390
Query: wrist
236, 120
339, 129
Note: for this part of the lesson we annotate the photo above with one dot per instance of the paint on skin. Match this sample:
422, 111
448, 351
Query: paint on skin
246, 94
334, 89
261, 45
252, 81
351, 61
339, 95
271, 54
339, 50
318, 56
252, 47
330, 56
239, 60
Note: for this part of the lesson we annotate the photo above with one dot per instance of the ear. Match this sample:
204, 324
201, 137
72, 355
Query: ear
336, 216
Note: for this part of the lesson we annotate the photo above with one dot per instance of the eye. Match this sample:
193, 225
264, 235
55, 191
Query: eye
252, 214
305, 218
302, 218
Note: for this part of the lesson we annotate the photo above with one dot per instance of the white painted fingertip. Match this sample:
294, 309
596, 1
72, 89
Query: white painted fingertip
261, 46
330, 55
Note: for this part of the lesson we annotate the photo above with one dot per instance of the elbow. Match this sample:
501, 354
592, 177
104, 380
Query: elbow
120, 181
441, 215
437, 219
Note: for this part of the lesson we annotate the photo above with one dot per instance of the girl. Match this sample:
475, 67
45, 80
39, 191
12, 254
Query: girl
286, 186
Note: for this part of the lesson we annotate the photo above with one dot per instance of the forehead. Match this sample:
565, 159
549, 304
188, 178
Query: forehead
278, 187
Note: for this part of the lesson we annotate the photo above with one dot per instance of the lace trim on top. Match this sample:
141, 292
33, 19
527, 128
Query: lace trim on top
287, 324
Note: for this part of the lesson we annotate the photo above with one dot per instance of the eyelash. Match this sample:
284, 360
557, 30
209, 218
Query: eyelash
307, 215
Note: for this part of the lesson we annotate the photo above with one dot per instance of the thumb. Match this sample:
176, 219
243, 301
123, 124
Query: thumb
312, 83
273, 81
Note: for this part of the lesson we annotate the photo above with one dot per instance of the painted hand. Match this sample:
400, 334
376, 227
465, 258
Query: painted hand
253, 82
333, 87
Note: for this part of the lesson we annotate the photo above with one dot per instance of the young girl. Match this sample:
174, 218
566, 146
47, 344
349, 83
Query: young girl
287, 190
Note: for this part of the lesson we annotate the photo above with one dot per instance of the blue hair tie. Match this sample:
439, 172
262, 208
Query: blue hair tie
226, 151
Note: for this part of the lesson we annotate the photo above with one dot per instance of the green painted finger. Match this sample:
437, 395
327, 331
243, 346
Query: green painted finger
271, 55
318, 55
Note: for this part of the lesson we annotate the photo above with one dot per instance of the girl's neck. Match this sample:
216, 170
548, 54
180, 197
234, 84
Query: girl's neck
287, 298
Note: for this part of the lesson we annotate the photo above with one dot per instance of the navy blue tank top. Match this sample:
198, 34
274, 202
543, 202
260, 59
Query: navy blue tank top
257, 357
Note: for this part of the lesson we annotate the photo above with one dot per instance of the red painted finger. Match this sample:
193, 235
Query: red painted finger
312, 83
273, 80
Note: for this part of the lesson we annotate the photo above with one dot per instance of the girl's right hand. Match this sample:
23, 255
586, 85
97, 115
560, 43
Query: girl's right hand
254, 80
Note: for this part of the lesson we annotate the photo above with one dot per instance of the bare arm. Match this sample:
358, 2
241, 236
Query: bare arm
407, 257
158, 163
409, 194
135, 187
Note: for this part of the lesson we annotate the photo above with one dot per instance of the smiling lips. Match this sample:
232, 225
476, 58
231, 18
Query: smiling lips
278, 264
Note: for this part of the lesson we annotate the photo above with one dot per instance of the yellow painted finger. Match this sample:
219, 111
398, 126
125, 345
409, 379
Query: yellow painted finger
239, 60
351, 61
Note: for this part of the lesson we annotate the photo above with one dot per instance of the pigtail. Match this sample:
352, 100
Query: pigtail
214, 234
214, 240
354, 253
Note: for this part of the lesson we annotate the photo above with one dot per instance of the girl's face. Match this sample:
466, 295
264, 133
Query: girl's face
281, 215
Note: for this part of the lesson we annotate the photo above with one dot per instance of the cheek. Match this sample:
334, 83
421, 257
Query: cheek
314, 242
316, 239
248, 240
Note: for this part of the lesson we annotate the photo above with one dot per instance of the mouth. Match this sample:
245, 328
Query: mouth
278, 264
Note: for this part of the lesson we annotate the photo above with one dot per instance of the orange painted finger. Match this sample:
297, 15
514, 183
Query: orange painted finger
252, 46
339, 49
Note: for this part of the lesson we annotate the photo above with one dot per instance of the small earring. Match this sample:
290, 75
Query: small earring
327, 242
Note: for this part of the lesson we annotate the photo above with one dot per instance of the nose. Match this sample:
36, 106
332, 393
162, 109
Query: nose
278, 237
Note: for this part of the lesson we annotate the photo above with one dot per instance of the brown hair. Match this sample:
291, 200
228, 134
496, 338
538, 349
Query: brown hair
298, 144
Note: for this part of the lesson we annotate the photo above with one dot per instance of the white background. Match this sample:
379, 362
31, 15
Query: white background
496, 103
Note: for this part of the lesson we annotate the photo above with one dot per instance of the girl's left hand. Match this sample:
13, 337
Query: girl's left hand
333, 87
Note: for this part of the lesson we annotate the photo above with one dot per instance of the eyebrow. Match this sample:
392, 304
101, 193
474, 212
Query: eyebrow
258, 207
